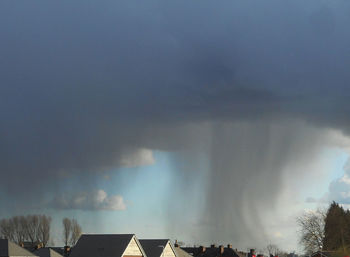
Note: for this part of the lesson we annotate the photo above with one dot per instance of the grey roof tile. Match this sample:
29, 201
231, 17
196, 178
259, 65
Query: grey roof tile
153, 247
104, 245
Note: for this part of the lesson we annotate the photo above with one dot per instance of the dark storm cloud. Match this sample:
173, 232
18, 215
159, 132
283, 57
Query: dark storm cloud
85, 83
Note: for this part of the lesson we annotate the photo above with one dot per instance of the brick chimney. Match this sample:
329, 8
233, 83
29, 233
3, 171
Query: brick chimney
67, 250
202, 249
39, 245
213, 246
222, 249
229, 246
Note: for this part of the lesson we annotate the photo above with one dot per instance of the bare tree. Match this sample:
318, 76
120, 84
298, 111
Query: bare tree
76, 232
282, 253
312, 230
272, 249
14, 229
67, 230
6, 229
44, 229
32, 228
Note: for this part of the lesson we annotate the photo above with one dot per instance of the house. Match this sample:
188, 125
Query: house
47, 252
212, 251
158, 247
112, 245
9, 249
180, 252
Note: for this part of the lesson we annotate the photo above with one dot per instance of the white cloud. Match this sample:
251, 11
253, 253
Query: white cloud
345, 179
339, 189
95, 200
141, 157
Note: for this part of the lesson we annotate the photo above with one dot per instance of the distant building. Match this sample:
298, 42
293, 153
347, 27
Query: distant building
158, 247
9, 249
212, 251
113, 245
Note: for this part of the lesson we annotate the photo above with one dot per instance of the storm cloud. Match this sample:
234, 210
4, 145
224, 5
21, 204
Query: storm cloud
253, 85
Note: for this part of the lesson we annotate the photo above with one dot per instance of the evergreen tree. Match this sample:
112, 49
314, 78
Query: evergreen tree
337, 229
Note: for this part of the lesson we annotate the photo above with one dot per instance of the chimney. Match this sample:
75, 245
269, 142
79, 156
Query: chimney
202, 249
38, 246
66, 250
176, 244
213, 246
229, 246
221, 247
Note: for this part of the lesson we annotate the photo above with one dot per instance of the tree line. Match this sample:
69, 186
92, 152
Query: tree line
30, 228
36, 229
327, 230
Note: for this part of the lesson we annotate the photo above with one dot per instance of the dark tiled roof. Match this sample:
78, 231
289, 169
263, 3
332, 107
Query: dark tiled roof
112, 245
211, 252
191, 250
153, 247
47, 252
59, 250
29, 246
7, 248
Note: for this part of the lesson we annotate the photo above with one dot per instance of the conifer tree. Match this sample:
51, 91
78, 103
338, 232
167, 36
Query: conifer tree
337, 229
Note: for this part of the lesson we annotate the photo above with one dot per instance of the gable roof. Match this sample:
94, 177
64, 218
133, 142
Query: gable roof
7, 248
182, 253
154, 247
104, 245
47, 252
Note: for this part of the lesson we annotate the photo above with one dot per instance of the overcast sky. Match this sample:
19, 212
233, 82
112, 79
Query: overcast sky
205, 121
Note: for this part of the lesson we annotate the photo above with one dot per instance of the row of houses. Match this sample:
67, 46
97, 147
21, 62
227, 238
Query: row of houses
116, 245
214, 251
